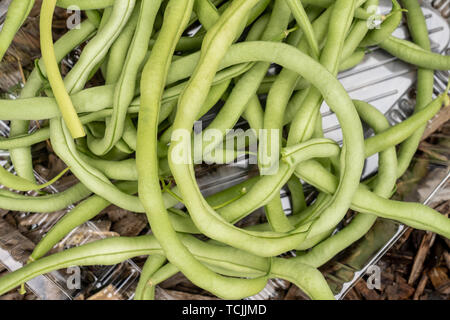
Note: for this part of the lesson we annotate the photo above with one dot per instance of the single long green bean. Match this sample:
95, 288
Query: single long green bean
207, 13
406, 129
425, 81
413, 54
65, 105
120, 48
44, 204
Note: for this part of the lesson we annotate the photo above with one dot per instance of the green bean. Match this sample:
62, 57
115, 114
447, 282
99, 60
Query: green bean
85, 4
406, 129
310, 280
185, 43
129, 135
248, 84
360, 13
91, 207
176, 15
355, 36
413, 54
357, 33
355, 59
301, 129
272, 63
303, 21
425, 80
319, 3
93, 16
97, 48
124, 90
83, 212
268, 186
107, 12
254, 113
11, 181
415, 215
153, 263
220, 258
46, 108
41, 108
99, 252
87, 210
164, 273
256, 11
341, 13
44, 133
274, 113
283, 86
351, 43
283, 55
300, 218
115, 250
120, 48
17, 12
119, 170
24, 141
297, 196
276, 216
214, 96
266, 84
65, 105
44, 204
294, 105
21, 156
207, 13
384, 185
91, 177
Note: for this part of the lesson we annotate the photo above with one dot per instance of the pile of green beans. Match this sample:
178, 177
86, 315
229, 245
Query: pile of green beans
122, 140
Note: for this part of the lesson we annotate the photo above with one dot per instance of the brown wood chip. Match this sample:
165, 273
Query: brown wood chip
353, 295
11, 240
294, 293
399, 291
437, 122
447, 259
368, 294
131, 225
421, 286
425, 245
439, 279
